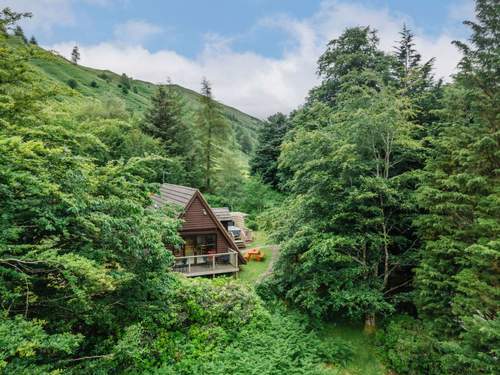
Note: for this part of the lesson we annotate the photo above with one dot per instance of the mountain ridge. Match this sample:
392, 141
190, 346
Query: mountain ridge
103, 84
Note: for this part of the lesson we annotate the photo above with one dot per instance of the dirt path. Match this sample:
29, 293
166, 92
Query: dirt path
275, 249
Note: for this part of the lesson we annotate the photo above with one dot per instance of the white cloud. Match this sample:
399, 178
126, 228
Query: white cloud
135, 31
46, 13
254, 83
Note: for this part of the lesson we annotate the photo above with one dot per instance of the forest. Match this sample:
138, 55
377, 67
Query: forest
381, 191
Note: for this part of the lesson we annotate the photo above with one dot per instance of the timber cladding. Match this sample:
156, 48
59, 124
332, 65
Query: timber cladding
198, 217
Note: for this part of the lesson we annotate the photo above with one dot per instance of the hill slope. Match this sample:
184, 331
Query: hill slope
102, 84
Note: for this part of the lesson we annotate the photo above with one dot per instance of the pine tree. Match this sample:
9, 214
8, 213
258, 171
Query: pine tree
75, 55
354, 52
214, 134
458, 276
270, 137
405, 52
416, 81
18, 31
33, 40
165, 121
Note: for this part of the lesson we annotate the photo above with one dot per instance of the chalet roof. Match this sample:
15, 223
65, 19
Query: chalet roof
173, 194
222, 213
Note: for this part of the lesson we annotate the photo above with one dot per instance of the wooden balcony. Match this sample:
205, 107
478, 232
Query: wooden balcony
207, 264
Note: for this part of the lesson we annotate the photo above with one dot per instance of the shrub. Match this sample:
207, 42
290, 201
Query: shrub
93, 84
104, 76
407, 348
72, 83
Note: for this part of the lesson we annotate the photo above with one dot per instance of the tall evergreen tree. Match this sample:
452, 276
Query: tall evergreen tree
166, 121
214, 134
355, 51
270, 137
75, 55
416, 80
405, 52
458, 276
33, 40
18, 31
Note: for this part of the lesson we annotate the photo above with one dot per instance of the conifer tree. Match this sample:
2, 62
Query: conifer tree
33, 40
165, 121
458, 275
355, 51
405, 52
270, 137
75, 55
416, 81
18, 31
214, 134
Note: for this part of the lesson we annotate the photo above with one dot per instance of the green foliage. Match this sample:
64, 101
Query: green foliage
166, 122
94, 84
72, 83
457, 276
75, 55
342, 228
265, 160
408, 348
214, 134
18, 31
355, 51
68, 264
268, 343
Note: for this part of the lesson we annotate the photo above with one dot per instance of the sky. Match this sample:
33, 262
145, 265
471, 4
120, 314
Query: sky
259, 55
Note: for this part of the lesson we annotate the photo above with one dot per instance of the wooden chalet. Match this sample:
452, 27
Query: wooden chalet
208, 247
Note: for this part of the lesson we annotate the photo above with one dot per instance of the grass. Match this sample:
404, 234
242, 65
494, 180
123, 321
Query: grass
364, 361
57, 70
252, 271
259, 239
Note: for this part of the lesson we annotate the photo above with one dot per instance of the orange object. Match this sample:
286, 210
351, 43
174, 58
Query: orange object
254, 254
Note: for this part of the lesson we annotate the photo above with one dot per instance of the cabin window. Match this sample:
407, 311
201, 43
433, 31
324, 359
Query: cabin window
200, 244
207, 242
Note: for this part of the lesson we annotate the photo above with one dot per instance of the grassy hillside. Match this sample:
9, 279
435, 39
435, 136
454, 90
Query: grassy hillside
101, 84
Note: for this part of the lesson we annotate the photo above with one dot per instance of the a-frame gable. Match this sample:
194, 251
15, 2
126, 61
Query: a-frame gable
191, 214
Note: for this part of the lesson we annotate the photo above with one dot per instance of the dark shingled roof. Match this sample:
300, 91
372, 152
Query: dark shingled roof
173, 194
222, 213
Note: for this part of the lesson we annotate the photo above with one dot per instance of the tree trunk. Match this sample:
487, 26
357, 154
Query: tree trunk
370, 325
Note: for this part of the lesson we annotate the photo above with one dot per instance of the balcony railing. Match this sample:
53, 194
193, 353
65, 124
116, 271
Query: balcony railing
207, 264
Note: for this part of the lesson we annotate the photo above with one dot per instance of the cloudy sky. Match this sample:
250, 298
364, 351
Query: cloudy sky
260, 55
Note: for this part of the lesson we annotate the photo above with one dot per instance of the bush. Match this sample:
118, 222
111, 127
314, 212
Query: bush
407, 348
93, 84
104, 76
72, 83
270, 342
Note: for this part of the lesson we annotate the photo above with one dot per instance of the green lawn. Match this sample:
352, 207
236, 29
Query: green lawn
251, 271
259, 239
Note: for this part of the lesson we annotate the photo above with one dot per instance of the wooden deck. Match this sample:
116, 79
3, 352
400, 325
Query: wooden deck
206, 265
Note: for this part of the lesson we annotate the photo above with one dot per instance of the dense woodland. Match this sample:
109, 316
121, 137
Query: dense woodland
381, 189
